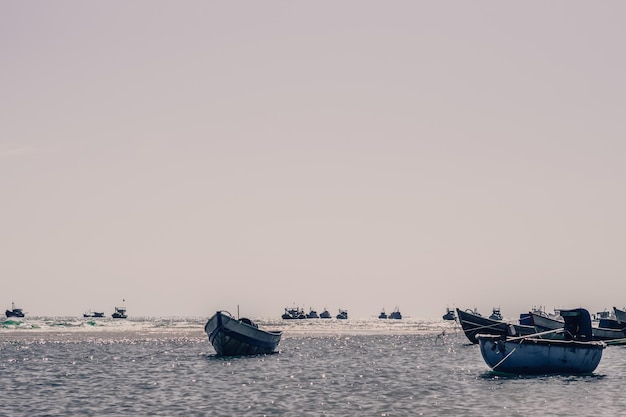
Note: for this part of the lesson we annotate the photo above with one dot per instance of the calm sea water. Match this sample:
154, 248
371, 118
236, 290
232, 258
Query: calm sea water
166, 367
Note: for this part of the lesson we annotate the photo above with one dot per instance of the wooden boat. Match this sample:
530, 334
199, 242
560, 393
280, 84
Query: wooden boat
14, 312
545, 323
495, 314
449, 314
576, 353
620, 315
395, 314
231, 337
120, 313
343, 314
473, 323
312, 314
293, 313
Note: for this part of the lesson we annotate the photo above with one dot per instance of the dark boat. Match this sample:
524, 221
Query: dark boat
325, 314
230, 336
14, 312
120, 313
395, 314
449, 314
343, 314
382, 314
575, 353
312, 314
293, 313
473, 324
543, 323
93, 314
495, 314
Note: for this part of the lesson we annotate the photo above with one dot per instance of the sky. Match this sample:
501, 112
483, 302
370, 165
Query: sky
194, 156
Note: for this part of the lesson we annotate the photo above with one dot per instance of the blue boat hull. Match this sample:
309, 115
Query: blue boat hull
540, 356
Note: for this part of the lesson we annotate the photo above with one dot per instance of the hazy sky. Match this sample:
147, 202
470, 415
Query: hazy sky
190, 156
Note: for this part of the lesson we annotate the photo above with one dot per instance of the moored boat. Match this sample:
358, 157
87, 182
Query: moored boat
14, 312
312, 314
395, 314
473, 323
325, 314
544, 323
382, 314
449, 314
293, 313
230, 336
120, 313
495, 314
576, 353
343, 314
620, 315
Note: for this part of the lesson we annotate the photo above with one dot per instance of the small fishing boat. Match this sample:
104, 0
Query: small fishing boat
620, 315
576, 353
120, 313
473, 323
343, 314
14, 312
382, 314
449, 314
293, 313
598, 332
395, 314
312, 314
231, 337
93, 314
325, 314
495, 314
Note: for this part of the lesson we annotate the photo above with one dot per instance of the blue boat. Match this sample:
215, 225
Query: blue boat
14, 312
232, 337
576, 353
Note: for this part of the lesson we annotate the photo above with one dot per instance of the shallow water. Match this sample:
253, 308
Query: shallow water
166, 367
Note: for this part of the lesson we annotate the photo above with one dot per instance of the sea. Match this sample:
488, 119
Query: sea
55, 366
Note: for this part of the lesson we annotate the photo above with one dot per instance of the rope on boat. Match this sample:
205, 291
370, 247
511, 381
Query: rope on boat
535, 335
503, 359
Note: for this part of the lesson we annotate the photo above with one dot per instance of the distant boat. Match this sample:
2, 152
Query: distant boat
449, 314
120, 313
14, 312
382, 314
473, 323
325, 314
395, 314
495, 314
230, 336
343, 314
312, 314
93, 314
575, 354
293, 313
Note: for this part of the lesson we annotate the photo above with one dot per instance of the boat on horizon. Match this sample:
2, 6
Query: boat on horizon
14, 312
343, 314
395, 314
120, 313
325, 314
293, 313
382, 314
495, 314
449, 314
93, 314
576, 353
232, 337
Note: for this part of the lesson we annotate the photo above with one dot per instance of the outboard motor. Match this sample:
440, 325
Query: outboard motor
577, 324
